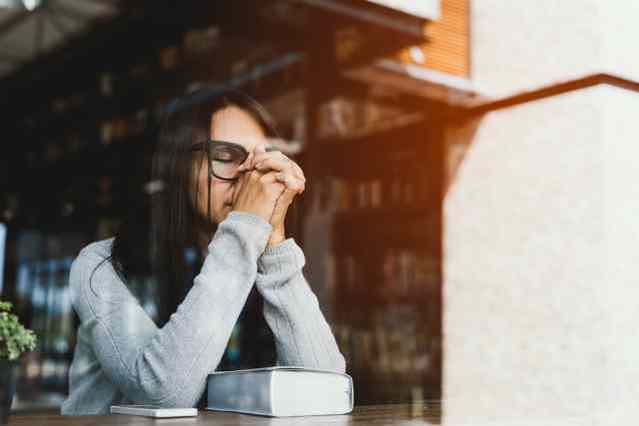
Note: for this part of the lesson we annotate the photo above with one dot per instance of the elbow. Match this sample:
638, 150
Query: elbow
150, 383
340, 363
180, 400
157, 385
155, 393
166, 394
335, 363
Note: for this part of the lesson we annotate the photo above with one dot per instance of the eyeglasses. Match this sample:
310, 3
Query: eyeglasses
225, 157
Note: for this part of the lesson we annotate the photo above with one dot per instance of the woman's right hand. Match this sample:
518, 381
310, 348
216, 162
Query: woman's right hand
257, 193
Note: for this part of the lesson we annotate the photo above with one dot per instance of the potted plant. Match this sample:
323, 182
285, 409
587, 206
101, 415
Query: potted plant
14, 340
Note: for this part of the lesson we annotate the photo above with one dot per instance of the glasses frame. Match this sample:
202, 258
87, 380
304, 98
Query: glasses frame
207, 146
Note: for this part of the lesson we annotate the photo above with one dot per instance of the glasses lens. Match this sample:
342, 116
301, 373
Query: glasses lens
225, 160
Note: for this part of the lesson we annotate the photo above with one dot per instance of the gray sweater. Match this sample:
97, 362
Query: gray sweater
121, 356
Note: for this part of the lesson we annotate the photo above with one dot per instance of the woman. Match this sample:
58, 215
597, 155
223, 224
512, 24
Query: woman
226, 193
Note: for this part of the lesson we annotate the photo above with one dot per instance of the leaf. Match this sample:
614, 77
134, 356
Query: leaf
14, 338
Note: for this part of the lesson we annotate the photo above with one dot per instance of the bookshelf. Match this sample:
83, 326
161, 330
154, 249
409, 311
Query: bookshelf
382, 188
91, 131
88, 159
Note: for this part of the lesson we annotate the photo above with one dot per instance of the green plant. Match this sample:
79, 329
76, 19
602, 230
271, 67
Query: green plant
14, 338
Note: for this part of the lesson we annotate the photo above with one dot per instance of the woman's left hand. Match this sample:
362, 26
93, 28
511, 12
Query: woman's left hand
289, 173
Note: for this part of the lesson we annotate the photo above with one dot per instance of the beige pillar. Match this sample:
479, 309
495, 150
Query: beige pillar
541, 252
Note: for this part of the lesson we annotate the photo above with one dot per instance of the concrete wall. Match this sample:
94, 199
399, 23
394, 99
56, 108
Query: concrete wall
620, 35
541, 264
523, 45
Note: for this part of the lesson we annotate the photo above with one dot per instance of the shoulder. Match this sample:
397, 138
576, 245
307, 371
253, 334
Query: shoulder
93, 281
101, 249
92, 256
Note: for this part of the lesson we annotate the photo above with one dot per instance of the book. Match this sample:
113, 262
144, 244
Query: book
280, 392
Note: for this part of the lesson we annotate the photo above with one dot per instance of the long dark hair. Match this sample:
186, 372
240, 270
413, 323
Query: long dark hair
175, 225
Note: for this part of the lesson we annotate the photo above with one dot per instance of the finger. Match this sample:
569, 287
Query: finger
275, 160
267, 177
291, 182
299, 172
277, 163
287, 197
295, 168
259, 149
292, 166
271, 178
245, 165
261, 156
249, 163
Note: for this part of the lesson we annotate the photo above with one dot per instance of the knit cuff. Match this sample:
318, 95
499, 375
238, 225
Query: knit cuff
252, 230
286, 258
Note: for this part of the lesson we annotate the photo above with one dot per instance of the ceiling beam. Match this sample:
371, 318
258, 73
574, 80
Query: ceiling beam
136, 25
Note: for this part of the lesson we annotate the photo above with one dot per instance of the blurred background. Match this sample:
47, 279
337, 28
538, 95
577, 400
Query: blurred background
423, 128
84, 84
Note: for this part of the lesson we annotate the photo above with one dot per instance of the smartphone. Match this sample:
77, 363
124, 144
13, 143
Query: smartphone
153, 411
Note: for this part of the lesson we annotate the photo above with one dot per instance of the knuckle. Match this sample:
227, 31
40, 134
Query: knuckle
266, 180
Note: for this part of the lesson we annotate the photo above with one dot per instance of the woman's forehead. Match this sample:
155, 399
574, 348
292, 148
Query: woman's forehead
232, 124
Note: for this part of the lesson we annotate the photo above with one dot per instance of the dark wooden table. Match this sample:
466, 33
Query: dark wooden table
404, 414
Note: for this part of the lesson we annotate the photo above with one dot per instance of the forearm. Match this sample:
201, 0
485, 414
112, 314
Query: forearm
170, 365
302, 335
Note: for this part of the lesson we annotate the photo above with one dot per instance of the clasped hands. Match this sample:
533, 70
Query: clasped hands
268, 183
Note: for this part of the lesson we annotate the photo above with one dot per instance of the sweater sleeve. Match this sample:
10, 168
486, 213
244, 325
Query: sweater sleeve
302, 335
169, 366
